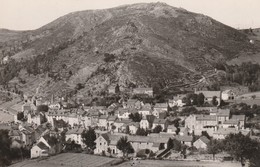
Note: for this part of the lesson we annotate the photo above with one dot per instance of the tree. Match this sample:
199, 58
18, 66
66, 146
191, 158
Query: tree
214, 101
20, 115
255, 159
205, 133
79, 86
125, 146
200, 99
109, 57
187, 101
109, 151
176, 145
5, 143
89, 138
136, 117
117, 89
240, 147
127, 130
170, 144
214, 147
141, 132
157, 129
44, 108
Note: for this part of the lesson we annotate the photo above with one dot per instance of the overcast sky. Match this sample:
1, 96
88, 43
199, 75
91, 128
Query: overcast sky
32, 14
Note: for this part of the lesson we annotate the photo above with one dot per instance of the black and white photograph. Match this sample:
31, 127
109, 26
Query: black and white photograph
130, 83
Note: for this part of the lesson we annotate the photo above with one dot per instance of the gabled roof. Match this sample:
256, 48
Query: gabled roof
184, 138
146, 106
226, 131
125, 121
204, 139
75, 131
103, 117
42, 146
210, 94
111, 118
161, 105
172, 127
206, 117
223, 112
159, 121
14, 133
231, 121
143, 89
239, 117
136, 124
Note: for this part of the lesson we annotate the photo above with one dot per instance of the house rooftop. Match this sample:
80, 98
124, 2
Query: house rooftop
239, 117
111, 118
161, 105
172, 127
159, 121
184, 138
143, 89
75, 131
223, 112
146, 106
103, 117
210, 94
204, 139
126, 121
206, 118
42, 146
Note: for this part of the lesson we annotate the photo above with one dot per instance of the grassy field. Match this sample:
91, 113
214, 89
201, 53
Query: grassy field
5, 117
165, 163
85, 160
67, 159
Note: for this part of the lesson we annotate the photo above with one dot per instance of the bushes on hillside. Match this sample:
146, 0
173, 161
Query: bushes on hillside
109, 57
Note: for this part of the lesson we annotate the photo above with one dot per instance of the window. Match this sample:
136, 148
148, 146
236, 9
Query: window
100, 143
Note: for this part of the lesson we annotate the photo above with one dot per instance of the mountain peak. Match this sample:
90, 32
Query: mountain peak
146, 44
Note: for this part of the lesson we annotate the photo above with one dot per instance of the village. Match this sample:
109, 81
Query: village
52, 127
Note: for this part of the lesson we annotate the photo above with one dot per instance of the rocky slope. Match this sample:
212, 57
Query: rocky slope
142, 44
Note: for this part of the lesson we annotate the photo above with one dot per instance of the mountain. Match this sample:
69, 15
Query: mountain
147, 44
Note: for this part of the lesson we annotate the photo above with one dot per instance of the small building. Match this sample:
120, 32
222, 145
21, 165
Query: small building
40, 150
102, 122
75, 135
228, 95
201, 143
162, 122
209, 96
143, 91
223, 115
161, 107
133, 126
177, 101
133, 104
187, 140
146, 109
171, 129
144, 123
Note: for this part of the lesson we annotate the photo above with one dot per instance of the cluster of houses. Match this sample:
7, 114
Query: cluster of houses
111, 123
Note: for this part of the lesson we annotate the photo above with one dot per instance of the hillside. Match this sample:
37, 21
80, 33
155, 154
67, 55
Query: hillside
142, 44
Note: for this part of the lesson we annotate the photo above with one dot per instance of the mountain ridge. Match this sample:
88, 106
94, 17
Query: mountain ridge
149, 44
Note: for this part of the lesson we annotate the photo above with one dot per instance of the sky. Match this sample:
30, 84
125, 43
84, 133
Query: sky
32, 14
